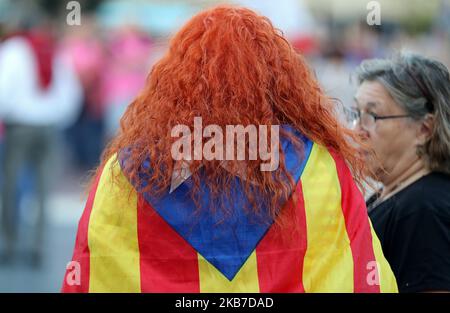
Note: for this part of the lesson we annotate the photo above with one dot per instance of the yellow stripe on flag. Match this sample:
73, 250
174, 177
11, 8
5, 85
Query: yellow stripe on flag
328, 264
386, 278
112, 235
211, 280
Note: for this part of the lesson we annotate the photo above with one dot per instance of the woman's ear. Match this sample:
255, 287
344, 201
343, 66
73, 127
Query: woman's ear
425, 129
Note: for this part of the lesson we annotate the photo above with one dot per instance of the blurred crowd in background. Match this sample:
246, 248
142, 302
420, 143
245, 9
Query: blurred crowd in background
106, 60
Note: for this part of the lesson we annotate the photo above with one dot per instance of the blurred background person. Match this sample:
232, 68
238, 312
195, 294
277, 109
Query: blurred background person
38, 92
127, 65
403, 114
84, 45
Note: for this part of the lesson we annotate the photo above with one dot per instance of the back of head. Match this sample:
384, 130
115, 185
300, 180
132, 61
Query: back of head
229, 66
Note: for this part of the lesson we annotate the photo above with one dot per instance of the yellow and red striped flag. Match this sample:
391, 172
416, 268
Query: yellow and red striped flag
128, 241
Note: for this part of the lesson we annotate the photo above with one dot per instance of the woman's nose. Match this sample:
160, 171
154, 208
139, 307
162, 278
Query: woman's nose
363, 133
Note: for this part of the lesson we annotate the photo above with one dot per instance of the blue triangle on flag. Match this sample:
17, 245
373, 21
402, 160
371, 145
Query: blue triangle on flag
226, 241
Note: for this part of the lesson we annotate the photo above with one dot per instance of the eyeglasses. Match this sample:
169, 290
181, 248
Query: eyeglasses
367, 119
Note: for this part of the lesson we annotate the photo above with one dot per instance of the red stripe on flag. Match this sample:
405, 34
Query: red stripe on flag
281, 252
168, 263
80, 259
358, 227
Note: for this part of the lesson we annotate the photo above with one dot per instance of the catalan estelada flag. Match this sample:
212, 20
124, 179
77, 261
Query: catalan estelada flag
129, 241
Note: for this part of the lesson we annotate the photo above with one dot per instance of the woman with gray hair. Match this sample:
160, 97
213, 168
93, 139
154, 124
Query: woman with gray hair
403, 115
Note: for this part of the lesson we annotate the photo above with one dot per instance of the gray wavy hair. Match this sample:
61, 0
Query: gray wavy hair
420, 86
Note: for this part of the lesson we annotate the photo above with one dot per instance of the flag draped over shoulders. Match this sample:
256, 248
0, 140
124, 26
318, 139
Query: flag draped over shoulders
128, 241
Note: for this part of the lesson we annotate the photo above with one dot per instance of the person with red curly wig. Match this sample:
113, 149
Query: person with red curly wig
229, 226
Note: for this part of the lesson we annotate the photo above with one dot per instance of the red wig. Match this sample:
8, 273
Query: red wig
229, 66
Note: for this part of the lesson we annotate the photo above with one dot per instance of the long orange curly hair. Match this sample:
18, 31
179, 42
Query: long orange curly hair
229, 66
